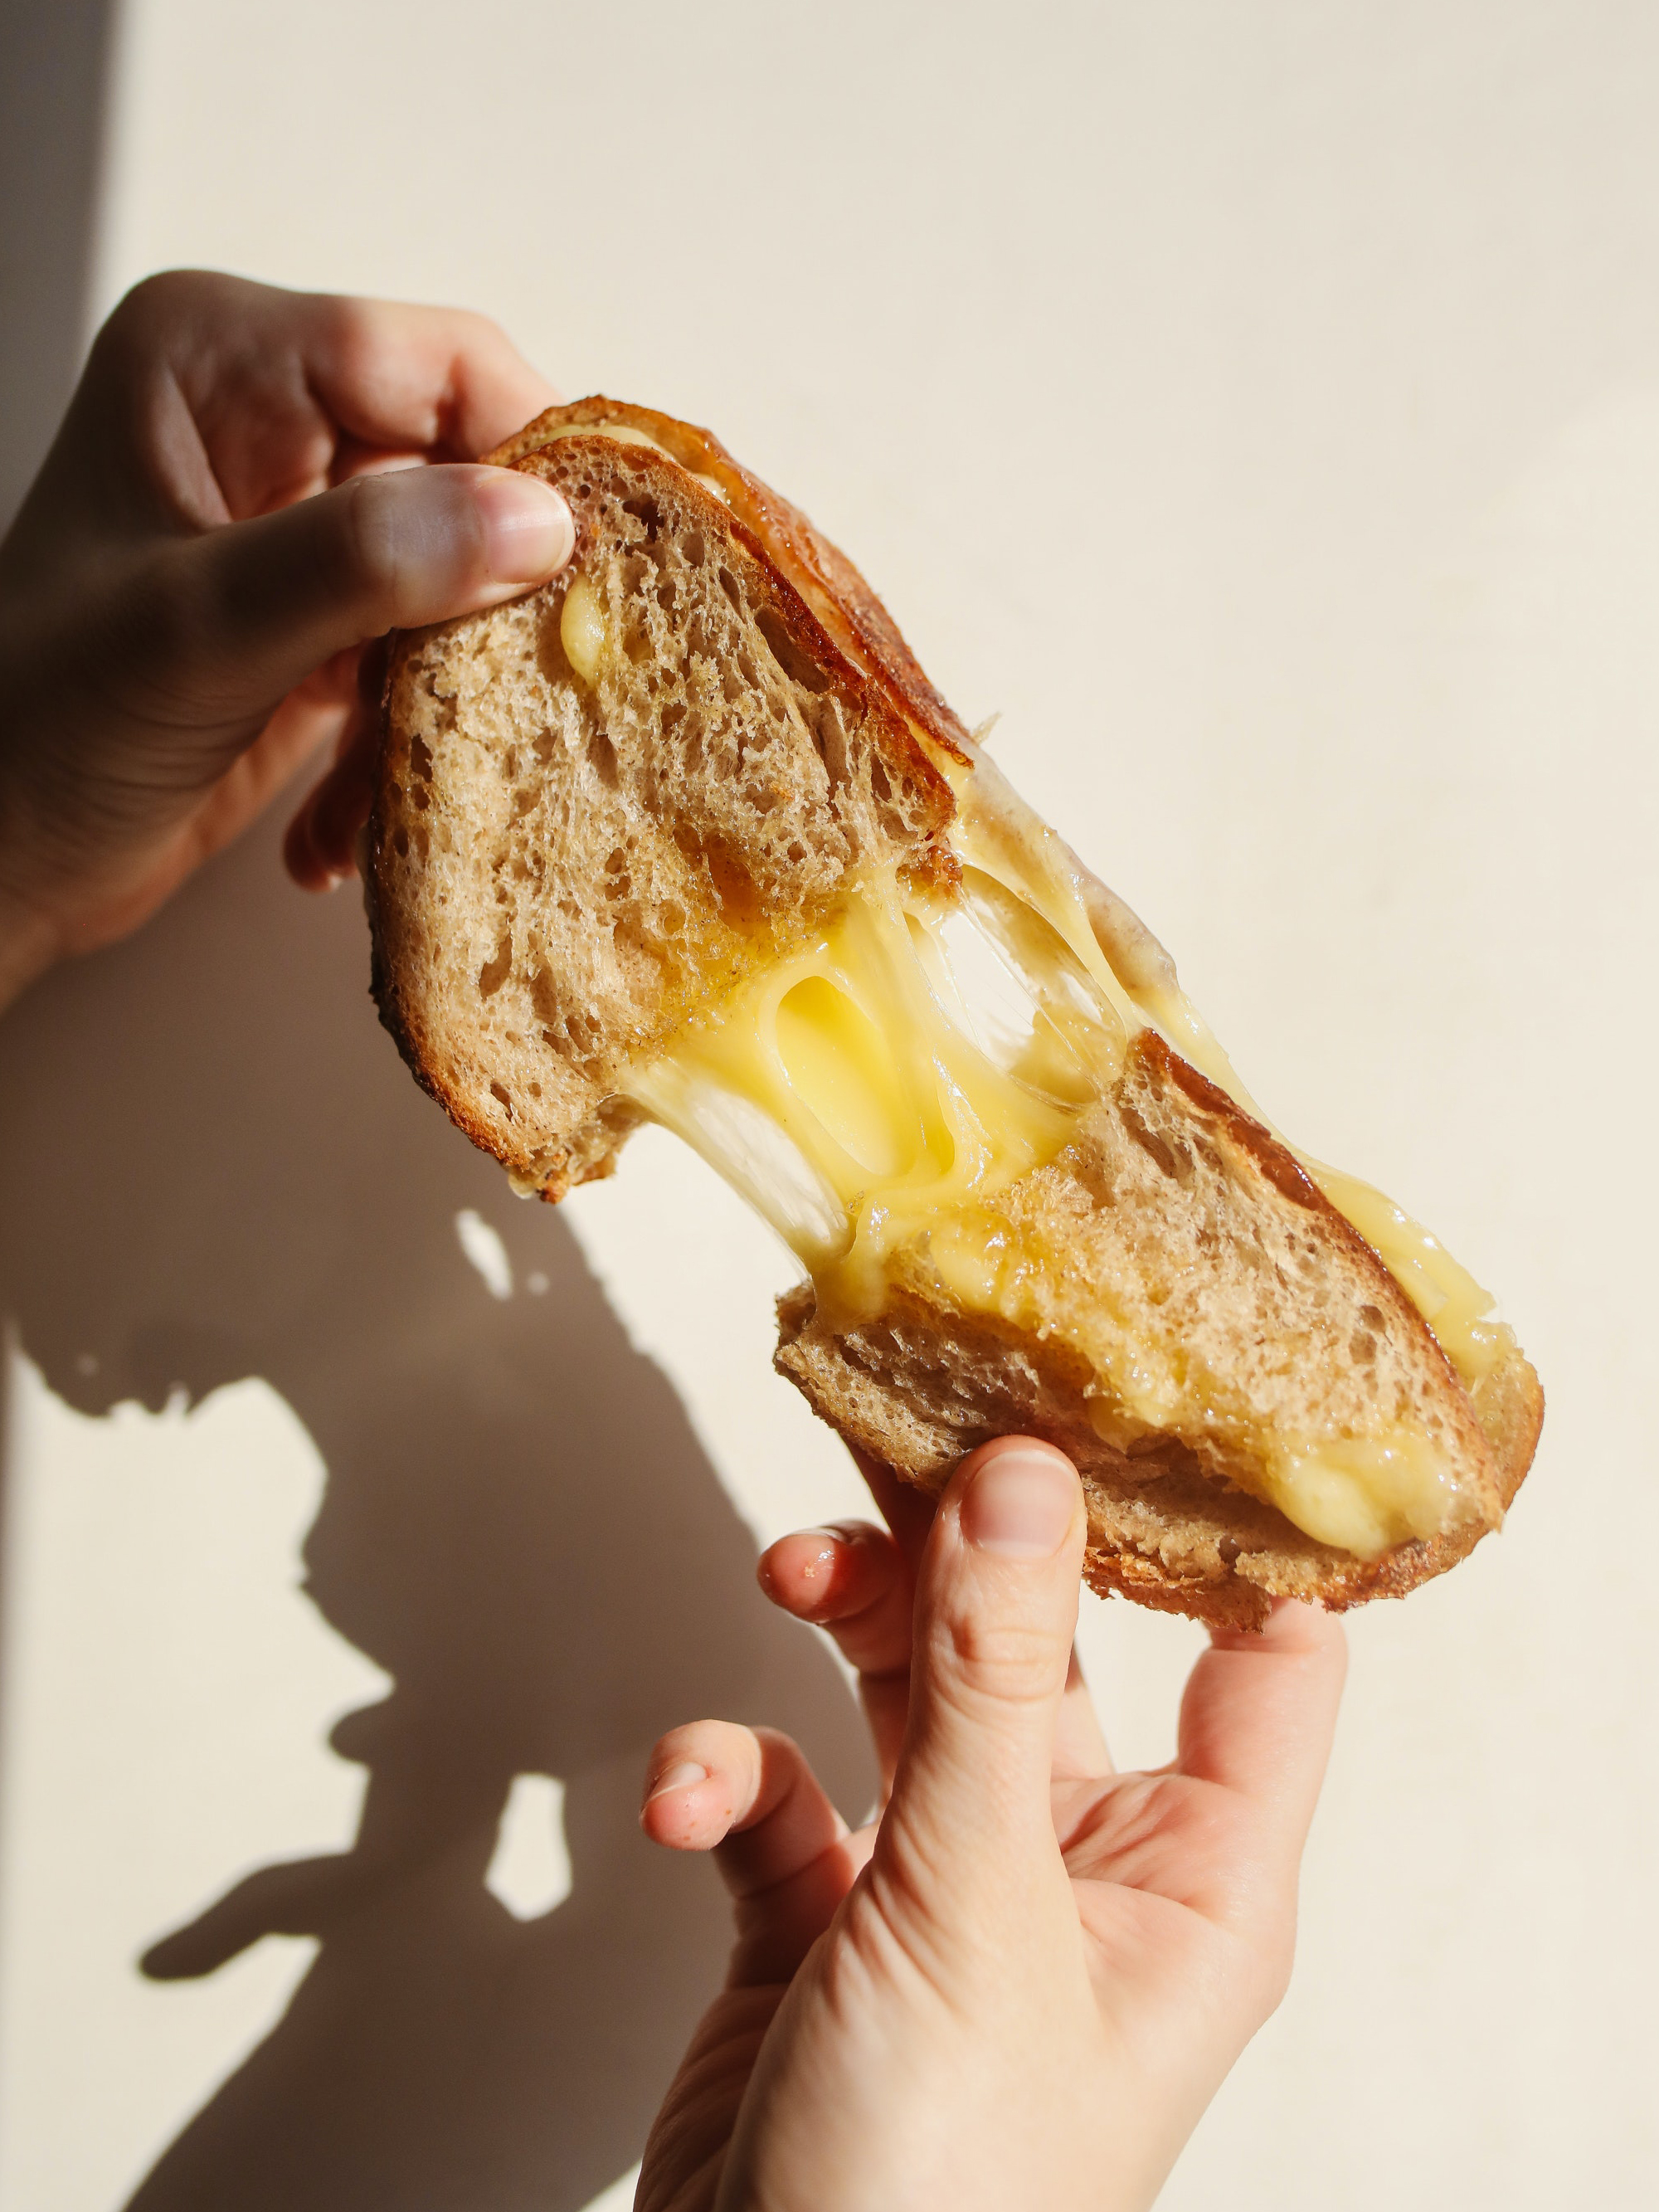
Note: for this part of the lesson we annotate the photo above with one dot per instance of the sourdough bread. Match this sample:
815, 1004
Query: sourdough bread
573, 858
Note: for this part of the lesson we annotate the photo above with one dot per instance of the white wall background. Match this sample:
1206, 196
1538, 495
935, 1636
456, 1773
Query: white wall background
1258, 405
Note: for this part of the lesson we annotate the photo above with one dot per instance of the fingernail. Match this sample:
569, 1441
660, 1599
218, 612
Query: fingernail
827, 1543
1019, 1506
684, 1774
529, 531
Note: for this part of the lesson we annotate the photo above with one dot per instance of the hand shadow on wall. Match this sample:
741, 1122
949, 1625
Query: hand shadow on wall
212, 1166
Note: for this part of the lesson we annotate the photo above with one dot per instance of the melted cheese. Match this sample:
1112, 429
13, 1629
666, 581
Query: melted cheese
859, 1054
582, 628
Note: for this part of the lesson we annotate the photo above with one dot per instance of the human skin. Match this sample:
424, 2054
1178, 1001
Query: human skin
1017, 1989
249, 485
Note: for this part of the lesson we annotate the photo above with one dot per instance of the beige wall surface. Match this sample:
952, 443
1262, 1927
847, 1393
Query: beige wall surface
1258, 405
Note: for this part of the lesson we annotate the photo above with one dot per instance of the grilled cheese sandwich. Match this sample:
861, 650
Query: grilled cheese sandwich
920, 1063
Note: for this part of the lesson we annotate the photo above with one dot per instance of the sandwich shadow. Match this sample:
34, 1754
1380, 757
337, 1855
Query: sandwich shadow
213, 1166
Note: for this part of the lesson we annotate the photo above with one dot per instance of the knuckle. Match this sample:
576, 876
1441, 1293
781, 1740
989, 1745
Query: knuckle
404, 542
155, 299
352, 332
136, 329
1274, 1982
1010, 1661
157, 305
368, 545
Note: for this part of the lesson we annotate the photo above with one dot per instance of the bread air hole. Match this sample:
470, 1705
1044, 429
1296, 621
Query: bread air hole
797, 664
603, 755
503, 1098
494, 973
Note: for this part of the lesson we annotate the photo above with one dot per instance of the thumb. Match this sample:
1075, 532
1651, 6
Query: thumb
239, 615
996, 1611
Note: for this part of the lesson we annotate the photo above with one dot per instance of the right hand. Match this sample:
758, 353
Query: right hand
1017, 1990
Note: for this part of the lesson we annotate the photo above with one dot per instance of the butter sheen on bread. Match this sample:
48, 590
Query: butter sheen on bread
687, 835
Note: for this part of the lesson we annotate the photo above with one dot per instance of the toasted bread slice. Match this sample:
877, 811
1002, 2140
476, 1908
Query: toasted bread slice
687, 835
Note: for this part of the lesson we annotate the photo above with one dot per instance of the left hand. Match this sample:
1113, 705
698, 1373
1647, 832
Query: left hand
1016, 1989
248, 486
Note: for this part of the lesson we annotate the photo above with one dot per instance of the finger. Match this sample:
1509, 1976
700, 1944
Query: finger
751, 1797
247, 395
230, 621
1260, 1712
352, 458
851, 1580
996, 1609
320, 844
424, 378
854, 1581
908, 1512
1080, 1747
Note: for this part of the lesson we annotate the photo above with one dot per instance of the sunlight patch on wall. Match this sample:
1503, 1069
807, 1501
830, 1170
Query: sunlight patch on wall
530, 1870
485, 1252
169, 1693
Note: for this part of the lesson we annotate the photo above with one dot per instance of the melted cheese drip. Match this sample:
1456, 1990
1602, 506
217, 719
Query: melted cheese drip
582, 628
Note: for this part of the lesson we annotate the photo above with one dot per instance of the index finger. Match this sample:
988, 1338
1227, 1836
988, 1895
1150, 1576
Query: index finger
1260, 1711
907, 1511
440, 380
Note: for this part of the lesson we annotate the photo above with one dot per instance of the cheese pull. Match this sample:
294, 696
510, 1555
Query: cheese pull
687, 835
924, 1052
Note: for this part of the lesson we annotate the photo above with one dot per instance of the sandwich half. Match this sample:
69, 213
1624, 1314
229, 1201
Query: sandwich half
687, 836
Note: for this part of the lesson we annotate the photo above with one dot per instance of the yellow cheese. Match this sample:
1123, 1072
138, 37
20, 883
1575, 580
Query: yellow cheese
581, 628
895, 1114
857, 1098
1365, 1494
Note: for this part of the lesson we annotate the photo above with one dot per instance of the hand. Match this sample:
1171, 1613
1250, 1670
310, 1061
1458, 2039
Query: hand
1018, 1988
234, 505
